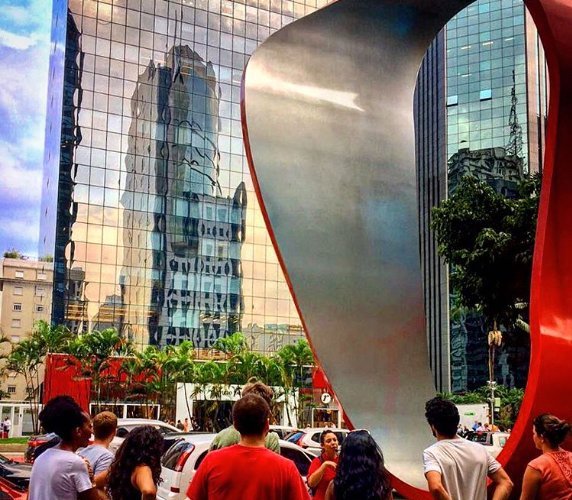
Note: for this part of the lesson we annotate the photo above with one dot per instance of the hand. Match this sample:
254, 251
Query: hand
330, 463
89, 469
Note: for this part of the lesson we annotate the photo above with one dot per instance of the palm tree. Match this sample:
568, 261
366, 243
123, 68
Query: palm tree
294, 360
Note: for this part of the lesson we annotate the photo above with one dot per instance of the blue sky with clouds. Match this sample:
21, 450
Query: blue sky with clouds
24, 53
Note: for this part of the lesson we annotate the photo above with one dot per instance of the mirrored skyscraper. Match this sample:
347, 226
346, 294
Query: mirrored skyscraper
148, 205
480, 110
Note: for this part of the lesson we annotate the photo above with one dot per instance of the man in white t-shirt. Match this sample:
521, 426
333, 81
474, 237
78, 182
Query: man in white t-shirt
455, 468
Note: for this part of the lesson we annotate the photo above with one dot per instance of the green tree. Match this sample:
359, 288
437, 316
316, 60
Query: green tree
294, 361
13, 253
28, 356
94, 351
488, 240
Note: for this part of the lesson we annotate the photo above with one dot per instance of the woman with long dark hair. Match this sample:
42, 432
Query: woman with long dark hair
361, 473
136, 470
550, 475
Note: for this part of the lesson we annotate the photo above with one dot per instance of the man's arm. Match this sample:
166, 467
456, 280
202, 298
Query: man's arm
530, 484
435, 485
503, 484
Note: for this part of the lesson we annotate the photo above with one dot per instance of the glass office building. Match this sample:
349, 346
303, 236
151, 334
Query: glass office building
480, 111
148, 205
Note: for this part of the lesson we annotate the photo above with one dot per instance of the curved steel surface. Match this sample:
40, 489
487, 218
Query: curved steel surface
328, 123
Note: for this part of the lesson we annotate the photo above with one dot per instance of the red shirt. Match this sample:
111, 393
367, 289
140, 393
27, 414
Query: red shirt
239, 472
329, 475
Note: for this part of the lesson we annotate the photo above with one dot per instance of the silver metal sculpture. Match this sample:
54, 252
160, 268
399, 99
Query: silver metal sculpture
328, 117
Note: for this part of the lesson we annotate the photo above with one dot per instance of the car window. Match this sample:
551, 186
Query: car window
294, 437
171, 456
300, 460
340, 436
480, 438
121, 432
316, 437
200, 459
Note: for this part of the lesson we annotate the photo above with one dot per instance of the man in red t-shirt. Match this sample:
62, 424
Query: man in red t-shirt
248, 470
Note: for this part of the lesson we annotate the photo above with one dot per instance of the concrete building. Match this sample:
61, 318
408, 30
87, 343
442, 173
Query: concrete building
25, 297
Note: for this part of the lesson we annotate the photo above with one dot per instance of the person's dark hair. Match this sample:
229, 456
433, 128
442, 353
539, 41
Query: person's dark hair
104, 425
443, 415
361, 474
62, 415
551, 428
256, 387
324, 433
143, 446
249, 415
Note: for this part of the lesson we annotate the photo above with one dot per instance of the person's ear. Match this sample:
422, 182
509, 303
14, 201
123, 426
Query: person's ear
267, 426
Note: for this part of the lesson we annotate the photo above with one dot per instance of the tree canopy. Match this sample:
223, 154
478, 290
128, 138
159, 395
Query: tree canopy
488, 240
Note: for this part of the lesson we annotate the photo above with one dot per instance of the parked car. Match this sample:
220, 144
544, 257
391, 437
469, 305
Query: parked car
282, 430
38, 444
126, 425
493, 441
181, 461
16, 474
309, 438
8, 492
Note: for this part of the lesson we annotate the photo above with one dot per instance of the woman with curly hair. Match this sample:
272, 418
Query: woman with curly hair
360, 474
136, 470
550, 475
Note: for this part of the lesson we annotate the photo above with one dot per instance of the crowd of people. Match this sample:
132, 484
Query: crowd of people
244, 460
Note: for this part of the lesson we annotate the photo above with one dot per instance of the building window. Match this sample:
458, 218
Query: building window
39, 308
486, 94
19, 274
42, 276
40, 291
17, 307
18, 290
15, 339
16, 323
11, 389
452, 100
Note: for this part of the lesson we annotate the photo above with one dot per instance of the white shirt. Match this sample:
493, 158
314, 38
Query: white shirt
463, 465
58, 474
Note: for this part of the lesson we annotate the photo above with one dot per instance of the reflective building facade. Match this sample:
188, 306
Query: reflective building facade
480, 110
148, 205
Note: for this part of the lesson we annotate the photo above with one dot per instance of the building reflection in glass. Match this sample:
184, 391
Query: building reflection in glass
146, 182
187, 235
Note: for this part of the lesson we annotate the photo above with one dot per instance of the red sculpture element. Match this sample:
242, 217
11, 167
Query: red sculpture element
549, 387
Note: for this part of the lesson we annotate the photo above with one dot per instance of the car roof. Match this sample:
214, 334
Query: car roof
322, 429
122, 422
198, 438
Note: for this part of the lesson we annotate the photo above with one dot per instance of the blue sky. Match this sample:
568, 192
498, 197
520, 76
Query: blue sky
24, 52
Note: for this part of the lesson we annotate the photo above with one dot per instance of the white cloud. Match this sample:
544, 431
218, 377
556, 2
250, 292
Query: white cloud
18, 42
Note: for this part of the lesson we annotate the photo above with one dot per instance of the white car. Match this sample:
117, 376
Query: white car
493, 441
282, 430
126, 425
309, 438
181, 461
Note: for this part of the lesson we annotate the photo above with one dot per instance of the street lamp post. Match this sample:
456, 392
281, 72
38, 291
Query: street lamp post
494, 341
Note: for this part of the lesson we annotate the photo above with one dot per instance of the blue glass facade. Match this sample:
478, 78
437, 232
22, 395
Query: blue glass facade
148, 204
489, 124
